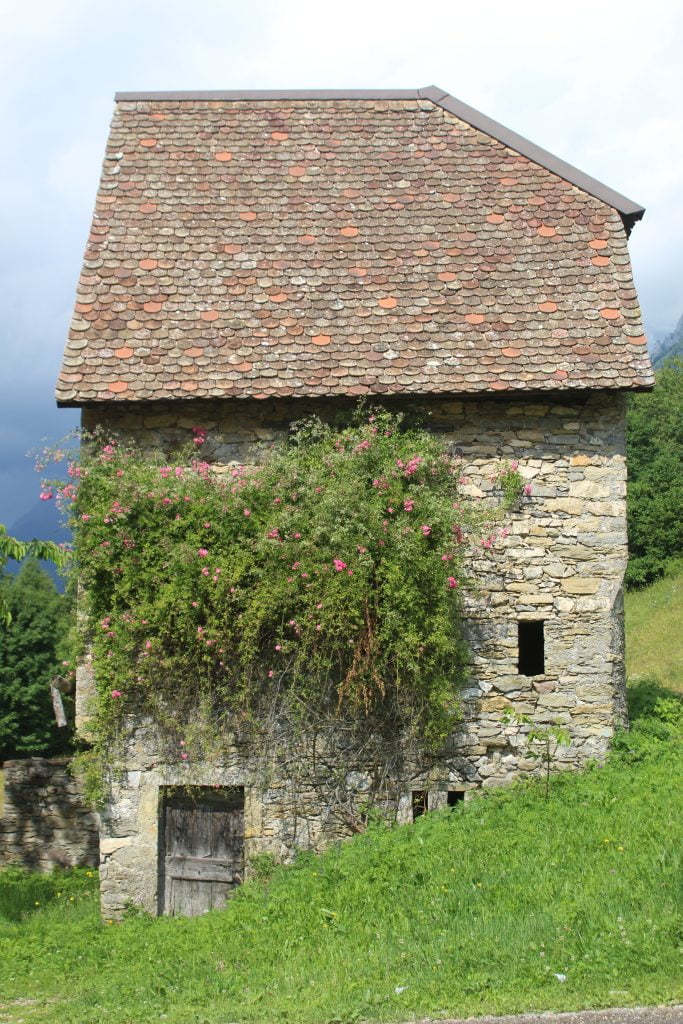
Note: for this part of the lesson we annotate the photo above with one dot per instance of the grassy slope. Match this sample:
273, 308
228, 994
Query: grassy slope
471, 910
654, 632
466, 912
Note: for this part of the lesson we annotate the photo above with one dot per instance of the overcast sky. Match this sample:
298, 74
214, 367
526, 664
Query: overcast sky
599, 84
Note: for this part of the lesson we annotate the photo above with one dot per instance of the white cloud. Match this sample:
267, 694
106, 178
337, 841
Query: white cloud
597, 83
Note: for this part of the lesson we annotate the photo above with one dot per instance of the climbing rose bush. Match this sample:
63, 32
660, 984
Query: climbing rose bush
328, 580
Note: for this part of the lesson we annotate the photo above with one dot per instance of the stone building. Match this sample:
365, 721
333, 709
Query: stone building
254, 256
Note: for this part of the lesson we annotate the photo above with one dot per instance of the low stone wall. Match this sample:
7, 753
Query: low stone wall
45, 821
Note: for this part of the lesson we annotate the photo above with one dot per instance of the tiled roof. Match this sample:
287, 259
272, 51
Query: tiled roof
344, 245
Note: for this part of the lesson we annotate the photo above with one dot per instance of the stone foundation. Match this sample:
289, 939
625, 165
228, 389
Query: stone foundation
45, 821
562, 564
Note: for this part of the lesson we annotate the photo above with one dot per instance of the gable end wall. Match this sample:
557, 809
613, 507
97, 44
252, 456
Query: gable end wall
563, 562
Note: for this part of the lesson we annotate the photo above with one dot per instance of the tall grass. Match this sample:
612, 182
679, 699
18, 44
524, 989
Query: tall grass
23, 893
507, 903
654, 631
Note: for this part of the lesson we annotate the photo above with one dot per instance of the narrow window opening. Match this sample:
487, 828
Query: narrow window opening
531, 648
455, 796
419, 802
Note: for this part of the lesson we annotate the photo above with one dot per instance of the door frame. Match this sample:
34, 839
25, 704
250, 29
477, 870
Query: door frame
220, 794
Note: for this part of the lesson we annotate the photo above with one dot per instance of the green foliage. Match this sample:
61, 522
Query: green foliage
656, 715
325, 583
542, 741
655, 467
23, 893
18, 550
470, 911
30, 649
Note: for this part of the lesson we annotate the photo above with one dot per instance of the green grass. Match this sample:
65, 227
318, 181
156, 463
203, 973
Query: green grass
468, 911
22, 893
654, 631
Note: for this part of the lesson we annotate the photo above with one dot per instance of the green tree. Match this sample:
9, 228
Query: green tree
29, 658
655, 469
18, 550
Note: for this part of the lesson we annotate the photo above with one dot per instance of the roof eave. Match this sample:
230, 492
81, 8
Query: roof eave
525, 394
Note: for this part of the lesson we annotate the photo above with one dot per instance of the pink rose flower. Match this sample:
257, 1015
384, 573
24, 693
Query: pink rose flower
116, 693
426, 529
339, 565
452, 582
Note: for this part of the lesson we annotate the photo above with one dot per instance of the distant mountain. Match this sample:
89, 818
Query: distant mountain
40, 522
670, 345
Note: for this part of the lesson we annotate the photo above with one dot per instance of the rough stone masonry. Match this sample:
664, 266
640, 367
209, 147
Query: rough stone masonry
45, 821
561, 565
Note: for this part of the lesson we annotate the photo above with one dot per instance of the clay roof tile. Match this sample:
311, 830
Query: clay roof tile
346, 243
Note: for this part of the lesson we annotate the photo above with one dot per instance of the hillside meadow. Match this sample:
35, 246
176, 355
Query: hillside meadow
510, 902
654, 631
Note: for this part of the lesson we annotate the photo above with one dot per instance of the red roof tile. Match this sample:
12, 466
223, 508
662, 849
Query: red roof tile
345, 244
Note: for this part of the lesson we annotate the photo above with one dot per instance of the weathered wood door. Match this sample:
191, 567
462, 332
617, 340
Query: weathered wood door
202, 854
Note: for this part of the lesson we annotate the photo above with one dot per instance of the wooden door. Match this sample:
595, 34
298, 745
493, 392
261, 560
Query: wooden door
202, 855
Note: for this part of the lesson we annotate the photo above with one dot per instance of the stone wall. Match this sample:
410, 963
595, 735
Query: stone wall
562, 564
44, 819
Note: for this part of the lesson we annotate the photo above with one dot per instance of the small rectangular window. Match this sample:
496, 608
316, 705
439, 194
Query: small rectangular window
419, 802
455, 796
531, 648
